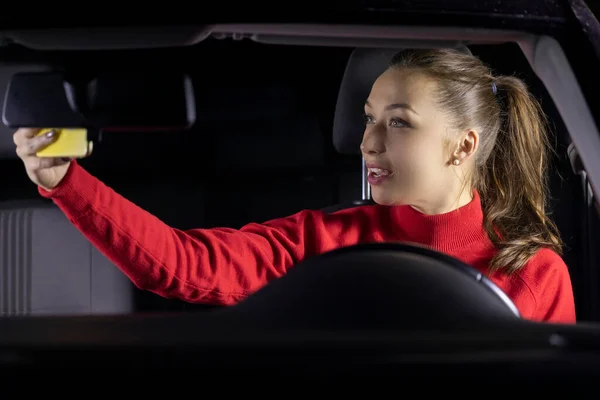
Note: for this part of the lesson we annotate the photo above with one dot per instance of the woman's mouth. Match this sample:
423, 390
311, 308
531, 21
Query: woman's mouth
377, 176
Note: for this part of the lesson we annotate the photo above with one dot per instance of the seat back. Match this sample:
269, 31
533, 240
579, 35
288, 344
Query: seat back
49, 268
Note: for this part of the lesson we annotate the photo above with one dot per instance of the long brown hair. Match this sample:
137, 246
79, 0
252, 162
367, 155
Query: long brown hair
512, 159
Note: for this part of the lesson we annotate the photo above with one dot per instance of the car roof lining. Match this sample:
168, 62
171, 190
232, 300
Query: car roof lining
115, 38
545, 55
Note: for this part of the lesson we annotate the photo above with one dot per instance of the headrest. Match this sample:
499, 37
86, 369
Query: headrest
363, 68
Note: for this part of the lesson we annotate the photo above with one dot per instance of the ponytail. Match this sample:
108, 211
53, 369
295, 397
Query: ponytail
513, 182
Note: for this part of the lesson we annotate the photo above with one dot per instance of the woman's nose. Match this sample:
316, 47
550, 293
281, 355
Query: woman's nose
372, 143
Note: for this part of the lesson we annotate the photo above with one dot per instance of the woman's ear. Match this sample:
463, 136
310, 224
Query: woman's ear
466, 147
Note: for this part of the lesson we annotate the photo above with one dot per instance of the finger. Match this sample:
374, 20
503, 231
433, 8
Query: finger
21, 135
36, 163
35, 144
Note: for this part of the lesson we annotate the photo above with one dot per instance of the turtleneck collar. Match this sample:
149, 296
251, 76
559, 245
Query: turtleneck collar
446, 232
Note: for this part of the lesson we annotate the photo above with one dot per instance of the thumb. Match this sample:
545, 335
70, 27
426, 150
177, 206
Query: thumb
50, 162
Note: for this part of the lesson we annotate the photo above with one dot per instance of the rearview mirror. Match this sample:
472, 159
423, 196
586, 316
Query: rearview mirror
149, 101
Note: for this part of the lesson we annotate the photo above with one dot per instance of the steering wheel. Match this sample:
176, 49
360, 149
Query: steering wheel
377, 286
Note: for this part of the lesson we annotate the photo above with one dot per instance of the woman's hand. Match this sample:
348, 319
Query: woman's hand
44, 172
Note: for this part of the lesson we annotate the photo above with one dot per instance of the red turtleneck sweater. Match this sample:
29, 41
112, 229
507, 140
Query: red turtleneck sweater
223, 266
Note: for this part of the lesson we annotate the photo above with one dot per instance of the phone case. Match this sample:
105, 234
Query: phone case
70, 143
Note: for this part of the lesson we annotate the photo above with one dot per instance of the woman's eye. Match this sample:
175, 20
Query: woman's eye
368, 119
398, 123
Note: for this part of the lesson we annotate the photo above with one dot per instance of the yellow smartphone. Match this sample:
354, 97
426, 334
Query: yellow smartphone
71, 142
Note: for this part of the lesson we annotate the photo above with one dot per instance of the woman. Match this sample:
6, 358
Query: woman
457, 162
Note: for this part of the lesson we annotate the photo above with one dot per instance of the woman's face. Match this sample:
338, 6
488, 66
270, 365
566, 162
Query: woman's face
408, 145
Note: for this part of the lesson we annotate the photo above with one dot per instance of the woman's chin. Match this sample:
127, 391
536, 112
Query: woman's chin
385, 197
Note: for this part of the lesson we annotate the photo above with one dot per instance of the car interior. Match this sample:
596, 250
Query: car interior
276, 131
262, 148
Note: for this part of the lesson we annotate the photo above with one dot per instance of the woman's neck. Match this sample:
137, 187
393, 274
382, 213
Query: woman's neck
447, 231
446, 205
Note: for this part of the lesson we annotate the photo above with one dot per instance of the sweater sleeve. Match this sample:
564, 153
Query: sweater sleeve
550, 283
218, 265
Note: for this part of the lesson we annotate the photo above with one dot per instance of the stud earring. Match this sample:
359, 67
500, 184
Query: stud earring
456, 162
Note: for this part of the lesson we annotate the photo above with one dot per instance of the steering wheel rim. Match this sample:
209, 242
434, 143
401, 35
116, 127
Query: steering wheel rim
415, 248
376, 286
